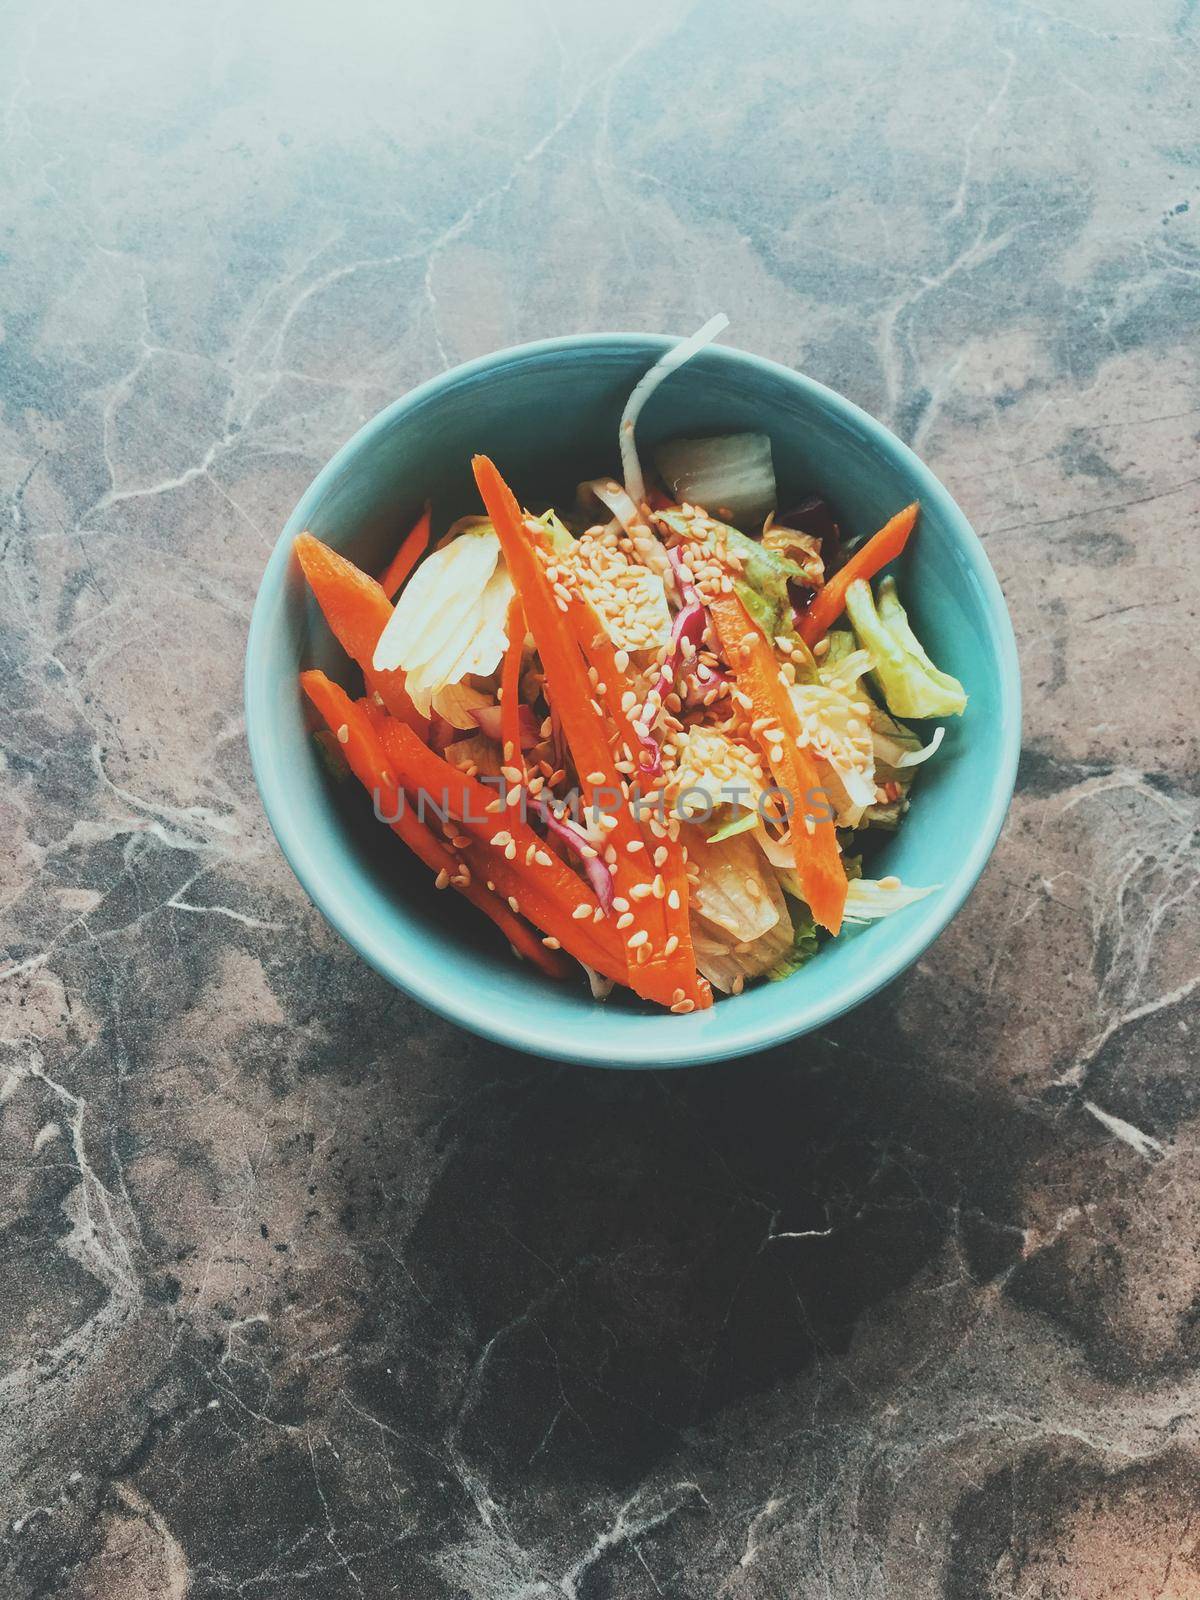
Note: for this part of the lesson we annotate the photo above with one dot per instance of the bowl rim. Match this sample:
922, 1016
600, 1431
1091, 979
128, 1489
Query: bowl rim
452, 998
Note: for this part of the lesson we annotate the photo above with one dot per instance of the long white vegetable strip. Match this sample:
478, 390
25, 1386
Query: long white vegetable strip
631, 467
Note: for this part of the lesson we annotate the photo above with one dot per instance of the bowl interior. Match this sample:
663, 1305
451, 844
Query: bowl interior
548, 415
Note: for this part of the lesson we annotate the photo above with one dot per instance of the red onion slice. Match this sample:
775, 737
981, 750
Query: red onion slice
573, 836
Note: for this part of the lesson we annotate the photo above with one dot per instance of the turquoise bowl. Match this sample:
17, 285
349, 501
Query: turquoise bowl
547, 413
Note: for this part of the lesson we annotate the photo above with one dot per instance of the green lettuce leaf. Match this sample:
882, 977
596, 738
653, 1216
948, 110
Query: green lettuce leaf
804, 944
763, 585
740, 823
911, 685
561, 535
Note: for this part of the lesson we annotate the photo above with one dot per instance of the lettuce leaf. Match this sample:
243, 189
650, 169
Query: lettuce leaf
560, 534
734, 890
911, 684
868, 899
762, 585
803, 947
711, 770
739, 823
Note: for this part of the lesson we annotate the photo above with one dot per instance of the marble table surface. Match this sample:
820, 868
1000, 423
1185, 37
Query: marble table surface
307, 1293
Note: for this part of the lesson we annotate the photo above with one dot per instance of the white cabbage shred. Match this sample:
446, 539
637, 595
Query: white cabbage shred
450, 618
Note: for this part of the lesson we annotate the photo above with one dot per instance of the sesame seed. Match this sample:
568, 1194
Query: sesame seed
502, 838
512, 774
641, 937
543, 858
514, 905
510, 850
442, 879
634, 845
551, 943
641, 891
673, 899
343, 734
681, 1007
620, 903
660, 856
596, 777
598, 914
625, 919
580, 912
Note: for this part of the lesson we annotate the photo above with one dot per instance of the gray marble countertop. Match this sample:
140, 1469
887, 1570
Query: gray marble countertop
305, 1292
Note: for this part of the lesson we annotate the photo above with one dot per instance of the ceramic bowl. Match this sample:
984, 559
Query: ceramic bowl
547, 413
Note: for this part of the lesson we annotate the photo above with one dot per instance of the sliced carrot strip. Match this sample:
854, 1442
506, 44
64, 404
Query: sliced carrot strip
752, 660
829, 602
357, 611
367, 760
549, 893
568, 687
570, 692
598, 647
510, 687
412, 548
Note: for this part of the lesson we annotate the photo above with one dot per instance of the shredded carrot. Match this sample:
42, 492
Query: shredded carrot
350, 722
357, 610
510, 688
829, 602
752, 660
411, 550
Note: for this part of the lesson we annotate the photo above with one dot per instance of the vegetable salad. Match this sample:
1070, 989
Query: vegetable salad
650, 734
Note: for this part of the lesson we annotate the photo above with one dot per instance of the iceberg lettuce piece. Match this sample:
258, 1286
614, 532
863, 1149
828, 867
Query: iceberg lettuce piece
868, 899
911, 684
735, 890
803, 946
712, 770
